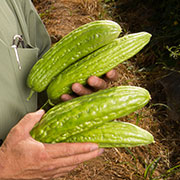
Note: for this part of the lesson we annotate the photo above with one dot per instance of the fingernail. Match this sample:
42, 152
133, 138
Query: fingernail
66, 97
94, 147
101, 151
76, 87
93, 81
112, 74
40, 111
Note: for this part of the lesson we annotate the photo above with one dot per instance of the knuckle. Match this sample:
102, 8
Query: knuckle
42, 156
104, 84
28, 116
16, 130
49, 168
76, 160
97, 82
68, 150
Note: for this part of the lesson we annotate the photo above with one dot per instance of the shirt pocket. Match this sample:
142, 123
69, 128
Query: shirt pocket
13, 88
27, 57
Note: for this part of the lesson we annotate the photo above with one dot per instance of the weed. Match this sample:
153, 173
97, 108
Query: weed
151, 168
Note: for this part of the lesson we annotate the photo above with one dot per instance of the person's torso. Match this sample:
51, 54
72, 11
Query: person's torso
13, 88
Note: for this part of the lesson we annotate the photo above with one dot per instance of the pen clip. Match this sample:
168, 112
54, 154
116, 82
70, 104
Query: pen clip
17, 40
17, 56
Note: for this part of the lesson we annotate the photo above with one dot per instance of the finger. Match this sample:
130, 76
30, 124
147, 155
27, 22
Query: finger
68, 149
77, 159
30, 119
97, 82
80, 90
66, 97
21, 130
112, 75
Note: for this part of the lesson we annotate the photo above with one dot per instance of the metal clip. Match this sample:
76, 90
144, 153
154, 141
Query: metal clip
17, 40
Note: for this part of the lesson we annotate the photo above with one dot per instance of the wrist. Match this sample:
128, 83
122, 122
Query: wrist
3, 167
1, 163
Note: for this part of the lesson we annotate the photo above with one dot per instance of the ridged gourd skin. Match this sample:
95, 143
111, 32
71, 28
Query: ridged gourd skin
77, 44
89, 111
97, 63
115, 134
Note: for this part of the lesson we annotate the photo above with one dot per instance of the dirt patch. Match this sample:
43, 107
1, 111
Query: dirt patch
61, 17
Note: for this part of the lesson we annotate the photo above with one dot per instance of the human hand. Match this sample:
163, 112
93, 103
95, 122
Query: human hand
22, 157
94, 82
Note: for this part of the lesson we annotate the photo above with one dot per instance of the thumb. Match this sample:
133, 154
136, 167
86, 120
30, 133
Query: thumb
22, 129
30, 119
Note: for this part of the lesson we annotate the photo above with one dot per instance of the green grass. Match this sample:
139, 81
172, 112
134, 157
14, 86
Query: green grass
151, 168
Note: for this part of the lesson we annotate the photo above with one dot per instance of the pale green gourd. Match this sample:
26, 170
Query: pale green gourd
87, 112
97, 63
115, 134
77, 44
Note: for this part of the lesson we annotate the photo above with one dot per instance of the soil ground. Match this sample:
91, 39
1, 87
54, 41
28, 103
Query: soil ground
61, 17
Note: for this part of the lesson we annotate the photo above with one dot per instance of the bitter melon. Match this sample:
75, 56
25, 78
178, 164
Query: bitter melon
83, 113
115, 134
97, 63
77, 44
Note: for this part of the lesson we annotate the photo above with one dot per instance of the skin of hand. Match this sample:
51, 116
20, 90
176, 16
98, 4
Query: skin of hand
93, 81
22, 157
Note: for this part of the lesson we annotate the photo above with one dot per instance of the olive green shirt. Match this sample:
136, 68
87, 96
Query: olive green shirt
18, 17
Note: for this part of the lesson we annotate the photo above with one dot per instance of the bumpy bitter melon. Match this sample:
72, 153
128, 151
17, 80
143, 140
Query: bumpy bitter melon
77, 44
115, 134
97, 63
83, 113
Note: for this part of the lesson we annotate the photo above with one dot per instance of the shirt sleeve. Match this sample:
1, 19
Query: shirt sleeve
37, 32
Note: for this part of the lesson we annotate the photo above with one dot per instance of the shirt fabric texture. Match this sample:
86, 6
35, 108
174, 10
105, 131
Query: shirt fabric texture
18, 17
